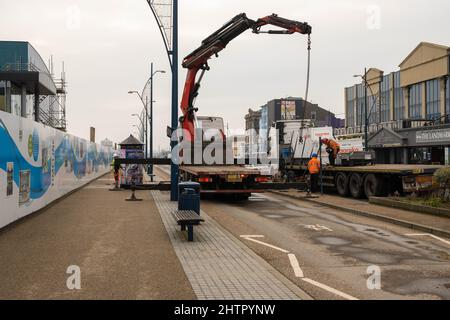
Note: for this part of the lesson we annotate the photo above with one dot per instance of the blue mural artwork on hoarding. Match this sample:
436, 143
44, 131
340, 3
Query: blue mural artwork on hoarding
74, 154
35, 145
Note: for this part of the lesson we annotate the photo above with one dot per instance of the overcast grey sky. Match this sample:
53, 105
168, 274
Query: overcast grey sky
107, 46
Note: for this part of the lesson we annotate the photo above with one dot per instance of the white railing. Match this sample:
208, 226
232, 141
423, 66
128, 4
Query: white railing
372, 128
19, 67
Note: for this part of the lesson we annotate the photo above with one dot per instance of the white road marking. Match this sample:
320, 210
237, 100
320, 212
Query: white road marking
329, 289
252, 236
294, 263
428, 235
318, 227
265, 244
297, 270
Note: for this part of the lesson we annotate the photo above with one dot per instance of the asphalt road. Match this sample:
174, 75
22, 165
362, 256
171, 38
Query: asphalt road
336, 248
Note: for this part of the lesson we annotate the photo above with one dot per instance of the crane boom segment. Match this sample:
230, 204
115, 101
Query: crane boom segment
216, 42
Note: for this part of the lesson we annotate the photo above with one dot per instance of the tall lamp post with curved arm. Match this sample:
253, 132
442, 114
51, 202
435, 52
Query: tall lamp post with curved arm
150, 118
144, 126
140, 132
166, 16
141, 120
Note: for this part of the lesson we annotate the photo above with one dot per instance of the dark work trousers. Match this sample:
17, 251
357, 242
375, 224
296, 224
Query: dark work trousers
314, 178
331, 158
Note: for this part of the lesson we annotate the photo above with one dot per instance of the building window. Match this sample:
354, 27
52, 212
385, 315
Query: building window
399, 104
288, 109
385, 99
30, 105
360, 105
16, 100
350, 107
431, 155
419, 155
433, 100
2, 95
415, 101
372, 109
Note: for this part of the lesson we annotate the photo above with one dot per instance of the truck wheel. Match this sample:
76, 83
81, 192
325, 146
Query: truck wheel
373, 186
342, 184
356, 186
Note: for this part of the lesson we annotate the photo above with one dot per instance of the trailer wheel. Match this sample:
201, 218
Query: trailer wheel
342, 184
374, 186
291, 176
356, 186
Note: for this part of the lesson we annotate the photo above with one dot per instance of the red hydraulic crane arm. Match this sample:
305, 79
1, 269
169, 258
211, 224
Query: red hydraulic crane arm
216, 42
290, 26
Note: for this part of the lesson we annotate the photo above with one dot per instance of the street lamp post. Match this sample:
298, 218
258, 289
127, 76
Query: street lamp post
174, 173
168, 25
146, 127
153, 73
366, 120
146, 117
139, 117
141, 134
366, 116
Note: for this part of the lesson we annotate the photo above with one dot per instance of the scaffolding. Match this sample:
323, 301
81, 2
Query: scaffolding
52, 108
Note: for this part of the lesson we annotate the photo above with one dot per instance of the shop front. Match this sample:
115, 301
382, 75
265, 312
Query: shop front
426, 145
432, 145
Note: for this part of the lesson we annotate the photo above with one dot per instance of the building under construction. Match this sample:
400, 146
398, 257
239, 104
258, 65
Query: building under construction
29, 87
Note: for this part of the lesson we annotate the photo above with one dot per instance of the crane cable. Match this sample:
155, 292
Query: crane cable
308, 72
308, 76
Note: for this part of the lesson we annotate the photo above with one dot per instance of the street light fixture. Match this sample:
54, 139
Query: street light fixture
150, 118
366, 120
145, 127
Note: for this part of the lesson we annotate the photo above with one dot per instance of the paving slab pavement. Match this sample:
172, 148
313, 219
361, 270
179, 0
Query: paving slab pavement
122, 249
219, 266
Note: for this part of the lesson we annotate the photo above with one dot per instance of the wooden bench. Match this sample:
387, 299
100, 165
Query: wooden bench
187, 219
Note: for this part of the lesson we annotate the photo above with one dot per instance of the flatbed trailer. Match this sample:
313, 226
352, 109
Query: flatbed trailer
219, 170
375, 180
237, 180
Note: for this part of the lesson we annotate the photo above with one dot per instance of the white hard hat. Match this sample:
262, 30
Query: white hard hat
116, 155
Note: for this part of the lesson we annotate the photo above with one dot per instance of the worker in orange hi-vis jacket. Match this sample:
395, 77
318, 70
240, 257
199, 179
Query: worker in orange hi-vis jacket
314, 171
333, 149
